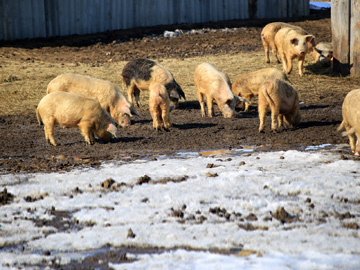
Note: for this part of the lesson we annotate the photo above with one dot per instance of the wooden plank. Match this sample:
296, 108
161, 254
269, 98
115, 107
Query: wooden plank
340, 25
355, 39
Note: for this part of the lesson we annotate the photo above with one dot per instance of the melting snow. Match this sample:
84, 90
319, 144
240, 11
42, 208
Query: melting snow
202, 202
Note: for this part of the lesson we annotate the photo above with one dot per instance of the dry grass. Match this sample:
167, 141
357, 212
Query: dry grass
23, 84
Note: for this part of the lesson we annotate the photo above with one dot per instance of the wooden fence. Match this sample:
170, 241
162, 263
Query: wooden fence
345, 24
21, 19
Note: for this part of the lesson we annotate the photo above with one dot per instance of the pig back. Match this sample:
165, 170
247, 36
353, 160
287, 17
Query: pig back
351, 108
105, 92
210, 79
69, 109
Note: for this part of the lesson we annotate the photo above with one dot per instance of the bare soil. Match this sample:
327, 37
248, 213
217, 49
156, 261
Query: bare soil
23, 147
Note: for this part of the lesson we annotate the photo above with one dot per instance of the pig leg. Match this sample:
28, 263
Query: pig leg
155, 114
274, 51
262, 113
247, 104
86, 132
266, 48
289, 65
202, 103
281, 120
301, 63
132, 92
49, 130
352, 139
274, 118
156, 119
284, 61
137, 96
92, 137
209, 103
357, 147
165, 114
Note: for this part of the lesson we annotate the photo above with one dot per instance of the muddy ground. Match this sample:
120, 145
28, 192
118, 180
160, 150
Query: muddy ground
23, 147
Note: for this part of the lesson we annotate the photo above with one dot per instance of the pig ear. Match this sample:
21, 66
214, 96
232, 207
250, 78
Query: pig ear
309, 38
112, 129
134, 111
125, 109
237, 98
319, 51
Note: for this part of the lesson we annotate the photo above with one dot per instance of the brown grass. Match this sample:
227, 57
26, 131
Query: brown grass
23, 84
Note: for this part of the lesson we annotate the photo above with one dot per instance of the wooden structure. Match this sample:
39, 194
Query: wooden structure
21, 19
345, 24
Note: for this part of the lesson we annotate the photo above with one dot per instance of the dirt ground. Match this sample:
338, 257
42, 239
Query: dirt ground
23, 147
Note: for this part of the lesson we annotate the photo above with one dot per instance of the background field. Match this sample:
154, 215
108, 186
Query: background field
235, 47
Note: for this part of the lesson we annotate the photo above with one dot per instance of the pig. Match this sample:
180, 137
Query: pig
107, 93
351, 120
141, 74
292, 44
268, 38
71, 110
283, 101
215, 85
247, 85
323, 53
159, 106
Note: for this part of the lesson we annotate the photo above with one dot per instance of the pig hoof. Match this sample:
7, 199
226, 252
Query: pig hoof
357, 154
261, 131
268, 61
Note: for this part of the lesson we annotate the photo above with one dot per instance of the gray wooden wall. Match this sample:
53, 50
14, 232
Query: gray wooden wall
21, 19
345, 25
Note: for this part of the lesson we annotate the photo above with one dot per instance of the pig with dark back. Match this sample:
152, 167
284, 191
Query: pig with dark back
71, 110
107, 93
323, 53
283, 101
268, 38
143, 74
292, 44
351, 120
213, 84
247, 85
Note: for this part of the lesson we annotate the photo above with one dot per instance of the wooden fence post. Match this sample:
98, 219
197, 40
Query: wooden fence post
340, 25
355, 38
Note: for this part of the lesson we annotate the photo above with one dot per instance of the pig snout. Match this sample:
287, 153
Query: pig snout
229, 115
124, 120
228, 112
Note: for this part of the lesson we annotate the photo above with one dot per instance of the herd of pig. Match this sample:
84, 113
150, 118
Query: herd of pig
96, 106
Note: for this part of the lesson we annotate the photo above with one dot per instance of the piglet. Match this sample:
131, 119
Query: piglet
292, 44
213, 84
351, 120
247, 85
71, 110
283, 101
323, 53
142, 74
268, 38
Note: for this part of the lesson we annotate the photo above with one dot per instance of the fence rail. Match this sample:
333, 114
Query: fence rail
21, 19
